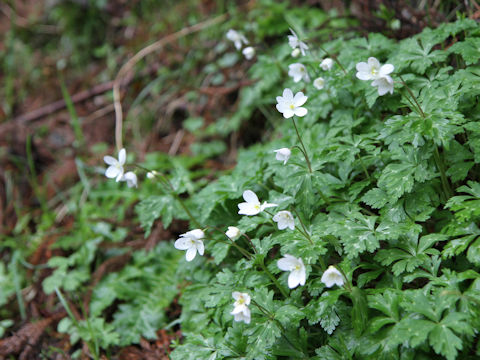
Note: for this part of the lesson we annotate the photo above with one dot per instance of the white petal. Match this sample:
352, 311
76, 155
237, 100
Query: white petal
386, 69
122, 156
287, 94
373, 62
112, 171
238, 309
363, 76
191, 252
299, 99
362, 67
110, 160
288, 113
332, 276
131, 179
302, 276
120, 175
266, 205
293, 280
197, 234
200, 247
282, 224
182, 244
250, 197
282, 107
236, 295
287, 263
248, 209
301, 111
319, 83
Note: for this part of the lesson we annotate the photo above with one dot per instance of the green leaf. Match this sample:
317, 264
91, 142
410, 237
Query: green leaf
152, 208
469, 49
359, 310
376, 198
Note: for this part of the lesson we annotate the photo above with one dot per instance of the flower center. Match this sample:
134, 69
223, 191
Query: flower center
297, 267
292, 106
241, 301
257, 207
374, 71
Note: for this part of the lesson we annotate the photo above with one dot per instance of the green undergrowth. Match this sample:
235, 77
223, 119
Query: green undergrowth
392, 200
389, 194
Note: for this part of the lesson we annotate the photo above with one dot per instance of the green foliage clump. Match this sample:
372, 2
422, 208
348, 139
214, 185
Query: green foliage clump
390, 195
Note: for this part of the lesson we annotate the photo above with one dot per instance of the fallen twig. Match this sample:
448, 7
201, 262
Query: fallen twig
128, 66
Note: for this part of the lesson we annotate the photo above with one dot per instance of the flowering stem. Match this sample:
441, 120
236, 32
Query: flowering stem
348, 286
239, 248
303, 146
274, 280
334, 57
413, 96
363, 166
272, 318
436, 155
243, 251
443, 176
250, 242
304, 232
166, 182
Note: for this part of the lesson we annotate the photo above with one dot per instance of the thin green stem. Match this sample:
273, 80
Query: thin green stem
240, 249
305, 232
436, 155
303, 146
443, 175
334, 57
347, 283
235, 245
280, 325
413, 96
363, 167
250, 242
323, 266
274, 280
175, 195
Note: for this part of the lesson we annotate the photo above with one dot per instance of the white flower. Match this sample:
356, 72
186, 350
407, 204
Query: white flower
131, 179
150, 175
115, 170
385, 84
297, 270
290, 105
319, 83
295, 43
191, 241
233, 233
326, 64
284, 219
241, 312
371, 70
295, 52
237, 38
248, 52
298, 72
252, 205
283, 154
332, 276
